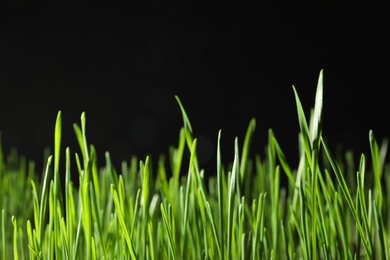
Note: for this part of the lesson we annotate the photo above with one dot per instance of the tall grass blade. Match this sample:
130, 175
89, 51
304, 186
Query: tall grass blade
231, 200
43, 203
220, 195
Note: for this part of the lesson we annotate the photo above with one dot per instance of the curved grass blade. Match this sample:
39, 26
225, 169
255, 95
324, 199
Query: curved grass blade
79, 137
246, 147
43, 203
282, 159
305, 133
186, 121
347, 195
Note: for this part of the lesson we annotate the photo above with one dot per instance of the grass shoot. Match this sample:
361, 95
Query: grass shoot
330, 207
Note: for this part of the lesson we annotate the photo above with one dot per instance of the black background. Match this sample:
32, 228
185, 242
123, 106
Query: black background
227, 63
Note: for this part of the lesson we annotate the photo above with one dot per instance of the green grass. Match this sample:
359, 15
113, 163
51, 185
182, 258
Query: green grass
331, 207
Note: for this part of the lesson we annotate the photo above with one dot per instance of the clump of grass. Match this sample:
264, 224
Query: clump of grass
328, 209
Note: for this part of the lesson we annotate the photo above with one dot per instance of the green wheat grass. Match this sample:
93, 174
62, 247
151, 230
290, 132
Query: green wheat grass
331, 207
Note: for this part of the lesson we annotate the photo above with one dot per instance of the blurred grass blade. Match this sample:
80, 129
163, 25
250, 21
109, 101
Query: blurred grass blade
383, 238
3, 237
16, 252
377, 170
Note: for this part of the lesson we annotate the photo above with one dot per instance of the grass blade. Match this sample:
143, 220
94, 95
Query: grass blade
16, 252
377, 170
3, 238
383, 238
347, 195
122, 222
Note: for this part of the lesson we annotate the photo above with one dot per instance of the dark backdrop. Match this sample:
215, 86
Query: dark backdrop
227, 63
